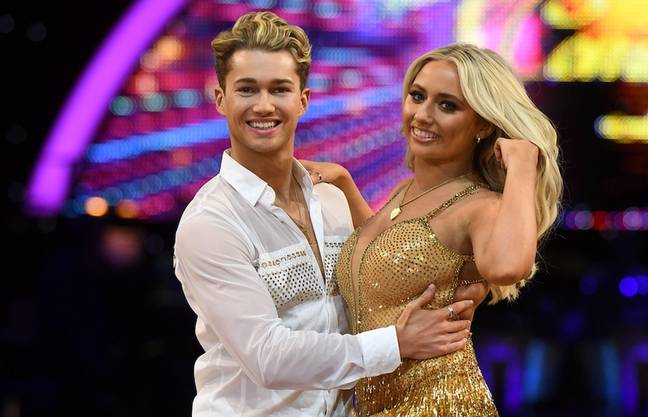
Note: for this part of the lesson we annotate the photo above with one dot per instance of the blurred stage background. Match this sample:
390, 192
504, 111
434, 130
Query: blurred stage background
109, 128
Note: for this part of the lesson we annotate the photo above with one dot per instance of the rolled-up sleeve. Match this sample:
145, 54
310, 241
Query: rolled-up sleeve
214, 263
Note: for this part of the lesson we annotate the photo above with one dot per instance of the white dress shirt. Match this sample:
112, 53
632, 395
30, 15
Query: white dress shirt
268, 321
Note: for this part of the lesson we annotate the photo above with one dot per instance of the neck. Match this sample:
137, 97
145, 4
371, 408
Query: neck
428, 175
273, 168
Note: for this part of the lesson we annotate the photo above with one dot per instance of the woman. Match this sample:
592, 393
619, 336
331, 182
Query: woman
485, 189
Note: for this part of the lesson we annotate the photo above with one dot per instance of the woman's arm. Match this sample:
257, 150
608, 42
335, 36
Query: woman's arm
504, 231
339, 176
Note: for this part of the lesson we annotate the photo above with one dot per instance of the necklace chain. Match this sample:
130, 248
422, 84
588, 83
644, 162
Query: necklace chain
304, 223
397, 211
295, 198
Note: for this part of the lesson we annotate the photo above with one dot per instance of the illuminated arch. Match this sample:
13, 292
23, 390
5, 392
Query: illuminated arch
163, 139
86, 105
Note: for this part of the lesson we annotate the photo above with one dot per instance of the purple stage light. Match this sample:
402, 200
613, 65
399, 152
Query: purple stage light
172, 88
501, 352
569, 220
527, 49
583, 220
632, 219
86, 105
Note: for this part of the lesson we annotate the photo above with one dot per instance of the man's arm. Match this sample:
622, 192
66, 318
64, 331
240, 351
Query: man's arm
215, 267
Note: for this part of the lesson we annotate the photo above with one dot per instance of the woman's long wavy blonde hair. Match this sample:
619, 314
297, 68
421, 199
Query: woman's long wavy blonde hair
497, 95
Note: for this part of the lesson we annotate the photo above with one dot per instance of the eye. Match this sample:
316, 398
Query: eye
448, 105
245, 90
417, 96
281, 90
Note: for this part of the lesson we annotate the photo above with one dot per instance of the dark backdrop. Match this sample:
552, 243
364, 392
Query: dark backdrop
83, 333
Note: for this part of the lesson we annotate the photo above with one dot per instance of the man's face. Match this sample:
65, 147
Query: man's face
262, 102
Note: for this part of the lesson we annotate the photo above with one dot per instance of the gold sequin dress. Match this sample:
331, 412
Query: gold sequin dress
396, 267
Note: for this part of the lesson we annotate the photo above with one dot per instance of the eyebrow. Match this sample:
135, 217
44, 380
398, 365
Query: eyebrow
444, 95
275, 81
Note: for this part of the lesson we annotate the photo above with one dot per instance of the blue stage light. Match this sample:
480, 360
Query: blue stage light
295, 5
122, 106
628, 286
610, 364
263, 4
326, 9
113, 195
642, 284
155, 102
533, 374
187, 98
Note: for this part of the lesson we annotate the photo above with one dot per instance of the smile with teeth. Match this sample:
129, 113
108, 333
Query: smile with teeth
265, 124
424, 134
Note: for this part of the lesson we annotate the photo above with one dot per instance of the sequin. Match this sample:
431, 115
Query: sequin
397, 266
291, 277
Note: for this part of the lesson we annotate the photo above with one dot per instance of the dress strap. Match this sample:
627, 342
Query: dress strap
461, 194
464, 282
471, 189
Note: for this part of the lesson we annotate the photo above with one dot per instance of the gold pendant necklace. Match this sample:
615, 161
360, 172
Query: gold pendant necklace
398, 209
394, 213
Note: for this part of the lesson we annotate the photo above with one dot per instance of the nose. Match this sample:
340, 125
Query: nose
264, 104
424, 114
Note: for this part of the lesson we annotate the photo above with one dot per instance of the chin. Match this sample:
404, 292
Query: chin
423, 150
269, 145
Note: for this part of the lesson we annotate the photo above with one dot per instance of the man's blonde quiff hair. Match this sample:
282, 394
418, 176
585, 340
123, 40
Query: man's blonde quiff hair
494, 92
264, 31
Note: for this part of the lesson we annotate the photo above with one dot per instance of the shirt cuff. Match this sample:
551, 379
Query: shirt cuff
380, 350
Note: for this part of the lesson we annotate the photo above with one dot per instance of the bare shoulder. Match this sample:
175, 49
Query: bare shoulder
482, 206
479, 205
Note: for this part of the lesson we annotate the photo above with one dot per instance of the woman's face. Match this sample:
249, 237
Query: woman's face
438, 123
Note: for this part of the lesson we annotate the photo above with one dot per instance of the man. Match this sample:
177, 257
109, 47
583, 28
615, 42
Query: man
256, 250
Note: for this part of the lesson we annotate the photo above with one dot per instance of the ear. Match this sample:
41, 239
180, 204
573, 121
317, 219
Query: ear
486, 129
220, 105
304, 98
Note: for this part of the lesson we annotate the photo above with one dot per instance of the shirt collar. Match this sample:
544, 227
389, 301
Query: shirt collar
250, 186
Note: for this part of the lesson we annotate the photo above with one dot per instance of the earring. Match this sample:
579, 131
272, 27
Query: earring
478, 139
